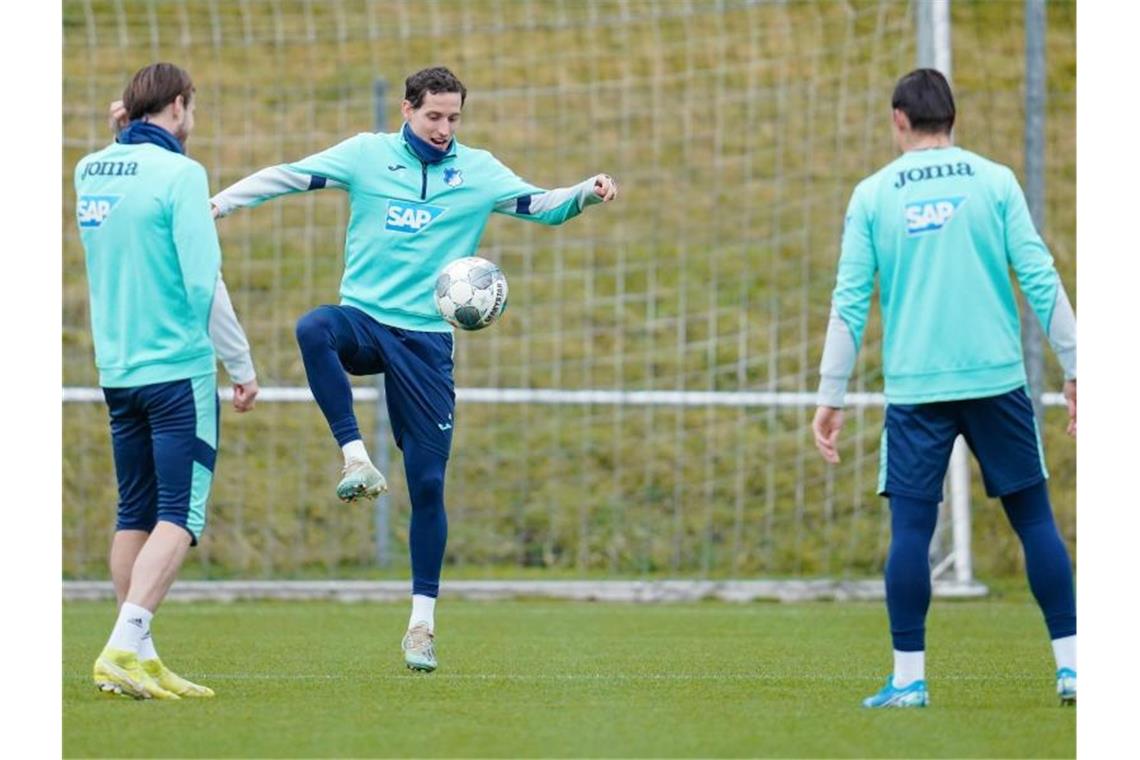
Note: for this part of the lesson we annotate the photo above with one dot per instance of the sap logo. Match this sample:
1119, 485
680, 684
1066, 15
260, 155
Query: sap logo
410, 217
931, 215
93, 210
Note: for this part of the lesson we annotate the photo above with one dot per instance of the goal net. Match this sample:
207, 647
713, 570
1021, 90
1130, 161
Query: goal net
642, 409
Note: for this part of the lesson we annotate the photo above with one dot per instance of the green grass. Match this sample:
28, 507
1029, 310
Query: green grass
531, 678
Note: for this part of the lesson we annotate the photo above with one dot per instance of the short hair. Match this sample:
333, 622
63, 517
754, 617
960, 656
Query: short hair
924, 96
154, 87
435, 80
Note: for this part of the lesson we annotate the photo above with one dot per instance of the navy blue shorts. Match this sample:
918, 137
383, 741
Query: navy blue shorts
419, 379
165, 441
1000, 430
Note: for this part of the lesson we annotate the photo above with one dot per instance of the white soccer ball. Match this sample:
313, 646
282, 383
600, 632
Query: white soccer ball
471, 293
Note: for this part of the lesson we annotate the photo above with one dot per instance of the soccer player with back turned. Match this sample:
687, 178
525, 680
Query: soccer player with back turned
160, 318
419, 199
941, 227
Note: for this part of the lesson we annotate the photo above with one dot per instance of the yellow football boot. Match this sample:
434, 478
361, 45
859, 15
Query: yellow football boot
119, 672
173, 682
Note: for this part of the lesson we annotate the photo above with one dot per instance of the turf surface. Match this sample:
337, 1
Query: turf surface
561, 679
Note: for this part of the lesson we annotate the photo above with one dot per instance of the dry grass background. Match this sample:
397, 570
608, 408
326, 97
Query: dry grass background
737, 130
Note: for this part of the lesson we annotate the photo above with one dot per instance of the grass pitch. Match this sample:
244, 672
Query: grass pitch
561, 679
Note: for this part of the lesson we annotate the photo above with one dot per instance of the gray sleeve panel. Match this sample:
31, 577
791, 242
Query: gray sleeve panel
268, 183
228, 338
1063, 333
838, 362
582, 193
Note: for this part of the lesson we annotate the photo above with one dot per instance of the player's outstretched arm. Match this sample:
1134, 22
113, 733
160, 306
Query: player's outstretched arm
331, 168
264, 185
522, 200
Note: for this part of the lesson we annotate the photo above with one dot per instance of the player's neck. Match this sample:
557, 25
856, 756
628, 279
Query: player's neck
923, 141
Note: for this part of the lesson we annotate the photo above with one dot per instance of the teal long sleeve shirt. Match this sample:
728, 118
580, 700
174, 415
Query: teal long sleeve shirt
408, 219
941, 229
152, 259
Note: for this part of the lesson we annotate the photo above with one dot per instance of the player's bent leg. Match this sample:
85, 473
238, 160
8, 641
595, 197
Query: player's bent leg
328, 345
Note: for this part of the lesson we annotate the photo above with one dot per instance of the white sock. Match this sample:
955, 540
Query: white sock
133, 622
146, 647
354, 451
1065, 652
423, 611
909, 667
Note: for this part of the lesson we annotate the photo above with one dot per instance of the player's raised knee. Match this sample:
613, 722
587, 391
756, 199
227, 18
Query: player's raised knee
313, 328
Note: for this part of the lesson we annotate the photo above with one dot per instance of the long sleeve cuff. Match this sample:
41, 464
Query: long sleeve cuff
228, 338
586, 194
832, 392
1063, 333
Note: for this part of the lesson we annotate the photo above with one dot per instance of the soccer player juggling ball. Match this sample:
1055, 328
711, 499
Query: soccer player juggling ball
941, 227
160, 319
418, 199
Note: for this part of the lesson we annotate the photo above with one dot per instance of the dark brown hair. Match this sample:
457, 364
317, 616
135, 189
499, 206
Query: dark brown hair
155, 87
924, 96
435, 80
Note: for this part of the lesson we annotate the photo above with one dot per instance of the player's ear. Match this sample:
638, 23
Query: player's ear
899, 117
406, 109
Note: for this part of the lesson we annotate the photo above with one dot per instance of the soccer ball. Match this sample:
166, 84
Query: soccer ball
471, 293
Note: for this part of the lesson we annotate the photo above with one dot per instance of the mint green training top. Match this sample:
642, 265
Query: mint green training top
408, 218
941, 229
153, 263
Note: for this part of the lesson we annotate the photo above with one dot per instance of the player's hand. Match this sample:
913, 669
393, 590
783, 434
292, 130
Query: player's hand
244, 395
826, 426
1070, 394
117, 117
214, 212
605, 187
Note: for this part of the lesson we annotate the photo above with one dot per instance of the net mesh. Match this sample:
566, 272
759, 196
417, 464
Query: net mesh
737, 131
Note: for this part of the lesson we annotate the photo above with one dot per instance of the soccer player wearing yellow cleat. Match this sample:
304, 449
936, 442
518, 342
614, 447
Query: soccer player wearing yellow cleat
172, 682
118, 671
160, 320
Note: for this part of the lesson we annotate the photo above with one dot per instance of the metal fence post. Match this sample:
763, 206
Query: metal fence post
1031, 332
382, 442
